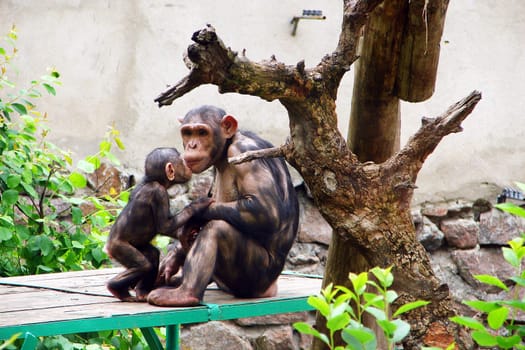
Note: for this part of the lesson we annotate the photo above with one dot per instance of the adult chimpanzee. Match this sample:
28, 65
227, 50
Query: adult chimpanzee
146, 214
253, 219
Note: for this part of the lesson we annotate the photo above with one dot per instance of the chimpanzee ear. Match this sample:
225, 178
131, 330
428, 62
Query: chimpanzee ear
229, 125
170, 171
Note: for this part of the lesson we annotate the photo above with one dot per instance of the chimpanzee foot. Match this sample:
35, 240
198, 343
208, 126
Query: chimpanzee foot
172, 297
121, 294
270, 292
141, 296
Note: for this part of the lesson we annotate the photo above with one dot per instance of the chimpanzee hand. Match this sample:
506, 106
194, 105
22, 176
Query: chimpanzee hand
188, 234
169, 266
200, 205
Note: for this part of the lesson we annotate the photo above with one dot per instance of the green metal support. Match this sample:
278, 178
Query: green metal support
30, 342
173, 337
151, 338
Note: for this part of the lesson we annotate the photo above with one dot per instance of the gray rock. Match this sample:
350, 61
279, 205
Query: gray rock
460, 233
214, 335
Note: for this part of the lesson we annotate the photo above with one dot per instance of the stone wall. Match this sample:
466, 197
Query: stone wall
462, 238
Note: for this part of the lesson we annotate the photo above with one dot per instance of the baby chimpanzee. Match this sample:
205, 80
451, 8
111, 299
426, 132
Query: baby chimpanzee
147, 214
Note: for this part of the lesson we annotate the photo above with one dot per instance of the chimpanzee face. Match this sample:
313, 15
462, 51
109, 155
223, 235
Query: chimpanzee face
204, 141
200, 146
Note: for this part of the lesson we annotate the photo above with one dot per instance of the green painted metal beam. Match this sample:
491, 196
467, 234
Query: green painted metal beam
267, 307
173, 337
151, 338
161, 318
30, 342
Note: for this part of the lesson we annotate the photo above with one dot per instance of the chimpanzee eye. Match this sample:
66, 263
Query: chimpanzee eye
203, 132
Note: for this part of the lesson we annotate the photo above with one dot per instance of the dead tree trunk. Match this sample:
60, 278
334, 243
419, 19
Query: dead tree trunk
367, 204
398, 59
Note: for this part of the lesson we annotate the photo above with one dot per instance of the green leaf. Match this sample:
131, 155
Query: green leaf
514, 303
104, 146
384, 276
410, 306
95, 161
112, 158
305, 328
5, 234
6, 221
98, 254
338, 306
124, 196
491, 280
30, 190
468, 322
49, 89
511, 208
497, 317
390, 296
518, 280
338, 322
44, 268
46, 245
484, 339
78, 180
10, 197
86, 166
20, 108
358, 282
13, 180
508, 342
23, 232
76, 215
77, 244
377, 313
319, 304
359, 338
511, 257
119, 143
388, 327
401, 331
483, 306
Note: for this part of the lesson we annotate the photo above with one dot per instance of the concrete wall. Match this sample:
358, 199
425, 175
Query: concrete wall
116, 56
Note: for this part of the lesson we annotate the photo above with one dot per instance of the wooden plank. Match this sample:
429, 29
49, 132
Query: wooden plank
41, 299
62, 275
45, 304
90, 281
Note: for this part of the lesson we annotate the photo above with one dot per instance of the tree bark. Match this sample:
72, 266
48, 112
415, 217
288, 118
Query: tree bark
419, 55
373, 134
367, 204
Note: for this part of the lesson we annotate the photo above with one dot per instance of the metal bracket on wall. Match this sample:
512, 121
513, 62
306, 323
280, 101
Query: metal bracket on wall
307, 14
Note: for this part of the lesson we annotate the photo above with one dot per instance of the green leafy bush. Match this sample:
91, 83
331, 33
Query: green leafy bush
343, 310
42, 225
496, 324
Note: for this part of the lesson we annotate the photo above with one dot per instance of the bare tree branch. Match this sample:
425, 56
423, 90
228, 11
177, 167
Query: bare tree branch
355, 15
431, 132
210, 62
273, 152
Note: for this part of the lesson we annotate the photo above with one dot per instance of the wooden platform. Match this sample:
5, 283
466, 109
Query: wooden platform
74, 302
